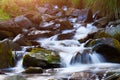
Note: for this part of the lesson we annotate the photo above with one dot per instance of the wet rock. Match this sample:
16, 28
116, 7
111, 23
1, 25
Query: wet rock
113, 75
35, 43
33, 70
60, 14
101, 34
14, 46
53, 11
89, 36
114, 31
47, 26
15, 77
47, 17
76, 59
81, 58
1, 72
43, 58
41, 10
72, 12
116, 22
22, 40
101, 23
23, 21
5, 34
81, 75
109, 48
66, 36
34, 17
6, 56
11, 27
37, 34
85, 15
63, 24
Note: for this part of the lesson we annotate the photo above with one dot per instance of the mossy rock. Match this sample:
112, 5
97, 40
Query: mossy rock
6, 56
109, 48
102, 34
43, 58
5, 34
108, 41
47, 55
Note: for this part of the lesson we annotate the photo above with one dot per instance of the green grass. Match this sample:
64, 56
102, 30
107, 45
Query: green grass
9, 8
3, 15
106, 7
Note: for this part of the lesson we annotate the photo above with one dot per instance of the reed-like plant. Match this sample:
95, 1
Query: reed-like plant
106, 7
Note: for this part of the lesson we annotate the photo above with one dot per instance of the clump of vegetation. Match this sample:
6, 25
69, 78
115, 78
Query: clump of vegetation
3, 15
106, 7
12, 8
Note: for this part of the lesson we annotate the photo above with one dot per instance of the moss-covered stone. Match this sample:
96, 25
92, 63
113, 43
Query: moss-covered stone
5, 34
109, 48
46, 55
6, 56
101, 34
40, 57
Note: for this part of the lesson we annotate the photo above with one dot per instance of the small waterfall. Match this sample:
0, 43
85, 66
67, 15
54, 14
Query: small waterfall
19, 66
86, 58
97, 58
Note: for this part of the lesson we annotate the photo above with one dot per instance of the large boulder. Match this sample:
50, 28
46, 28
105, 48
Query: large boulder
6, 56
5, 34
43, 58
11, 27
22, 40
85, 15
23, 21
63, 24
64, 36
109, 48
34, 17
37, 34
101, 23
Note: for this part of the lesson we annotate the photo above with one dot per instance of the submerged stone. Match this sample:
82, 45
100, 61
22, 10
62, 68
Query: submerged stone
33, 70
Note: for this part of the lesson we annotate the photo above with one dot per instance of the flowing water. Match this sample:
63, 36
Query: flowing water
75, 58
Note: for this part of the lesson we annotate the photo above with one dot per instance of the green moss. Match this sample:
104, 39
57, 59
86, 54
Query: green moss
10, 57
6, 56
44, 54
101, 34
117, 44
117, 36
3, 15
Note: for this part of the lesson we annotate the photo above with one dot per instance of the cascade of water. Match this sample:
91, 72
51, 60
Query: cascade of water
86, 58
19, 66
